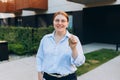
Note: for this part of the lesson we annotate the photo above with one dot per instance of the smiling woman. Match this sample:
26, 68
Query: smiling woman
59, 52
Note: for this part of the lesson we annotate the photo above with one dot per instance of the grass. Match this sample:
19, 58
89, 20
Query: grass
95, 59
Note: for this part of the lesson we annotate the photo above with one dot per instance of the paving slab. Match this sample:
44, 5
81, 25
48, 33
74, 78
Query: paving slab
22, 69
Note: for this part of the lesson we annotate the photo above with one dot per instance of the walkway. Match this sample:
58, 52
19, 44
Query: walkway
24, 69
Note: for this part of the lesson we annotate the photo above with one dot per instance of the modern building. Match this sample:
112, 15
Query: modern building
91, 20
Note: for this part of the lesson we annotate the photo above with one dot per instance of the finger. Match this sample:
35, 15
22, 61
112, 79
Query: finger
73, 39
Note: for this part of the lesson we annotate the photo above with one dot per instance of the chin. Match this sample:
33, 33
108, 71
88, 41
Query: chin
60, 30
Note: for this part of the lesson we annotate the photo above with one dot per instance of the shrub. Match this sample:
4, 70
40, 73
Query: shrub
22, 40
17, 48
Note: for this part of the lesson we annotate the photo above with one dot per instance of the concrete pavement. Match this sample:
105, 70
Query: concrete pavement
22, 69
25, 68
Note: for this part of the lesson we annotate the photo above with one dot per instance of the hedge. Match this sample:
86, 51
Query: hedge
23, 40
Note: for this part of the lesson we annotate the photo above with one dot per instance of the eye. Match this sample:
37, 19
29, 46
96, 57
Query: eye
57, 20
62, 21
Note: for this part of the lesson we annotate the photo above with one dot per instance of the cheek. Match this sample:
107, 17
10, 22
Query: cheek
54, 23
66, 25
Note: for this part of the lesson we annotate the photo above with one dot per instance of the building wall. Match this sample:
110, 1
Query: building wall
101, 24
62, 5
86, 27
78, 24
52, 7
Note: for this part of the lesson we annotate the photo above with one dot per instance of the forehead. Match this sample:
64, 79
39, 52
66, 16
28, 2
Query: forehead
60, 16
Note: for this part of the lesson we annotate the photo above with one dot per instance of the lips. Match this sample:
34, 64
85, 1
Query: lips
59, 26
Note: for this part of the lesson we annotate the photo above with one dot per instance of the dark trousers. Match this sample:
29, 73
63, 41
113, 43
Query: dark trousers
68, 77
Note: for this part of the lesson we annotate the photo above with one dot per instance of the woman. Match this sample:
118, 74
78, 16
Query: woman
59, 52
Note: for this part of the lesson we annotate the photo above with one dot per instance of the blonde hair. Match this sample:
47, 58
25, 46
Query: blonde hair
62, 13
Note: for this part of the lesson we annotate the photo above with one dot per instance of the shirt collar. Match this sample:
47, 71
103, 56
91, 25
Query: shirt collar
66, 35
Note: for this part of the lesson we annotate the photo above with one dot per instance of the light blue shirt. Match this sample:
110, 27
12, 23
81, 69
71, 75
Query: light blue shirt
57, 58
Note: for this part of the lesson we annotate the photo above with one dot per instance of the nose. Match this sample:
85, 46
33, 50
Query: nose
60, 22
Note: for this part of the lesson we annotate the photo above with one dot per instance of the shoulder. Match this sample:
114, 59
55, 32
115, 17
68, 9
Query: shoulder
47, 36
75, 36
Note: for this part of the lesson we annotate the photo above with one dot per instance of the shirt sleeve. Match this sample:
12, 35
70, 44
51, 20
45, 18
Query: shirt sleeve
39, 57
80, 58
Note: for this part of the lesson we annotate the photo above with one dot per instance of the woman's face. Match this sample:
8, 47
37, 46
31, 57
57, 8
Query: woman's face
60, 23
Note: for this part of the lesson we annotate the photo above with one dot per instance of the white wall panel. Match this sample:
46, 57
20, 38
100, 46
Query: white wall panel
6, 15
56, 5
117, 2
104, 4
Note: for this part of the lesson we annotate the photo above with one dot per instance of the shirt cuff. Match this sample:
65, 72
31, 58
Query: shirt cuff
78, 61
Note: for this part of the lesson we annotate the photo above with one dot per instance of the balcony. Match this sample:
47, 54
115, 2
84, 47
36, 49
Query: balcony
7, 6
91, 1
31, 4
15, 6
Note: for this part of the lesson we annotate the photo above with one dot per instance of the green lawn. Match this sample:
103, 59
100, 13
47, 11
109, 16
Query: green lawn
95, 59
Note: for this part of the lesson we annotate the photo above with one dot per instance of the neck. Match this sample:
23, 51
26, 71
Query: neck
59, 36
